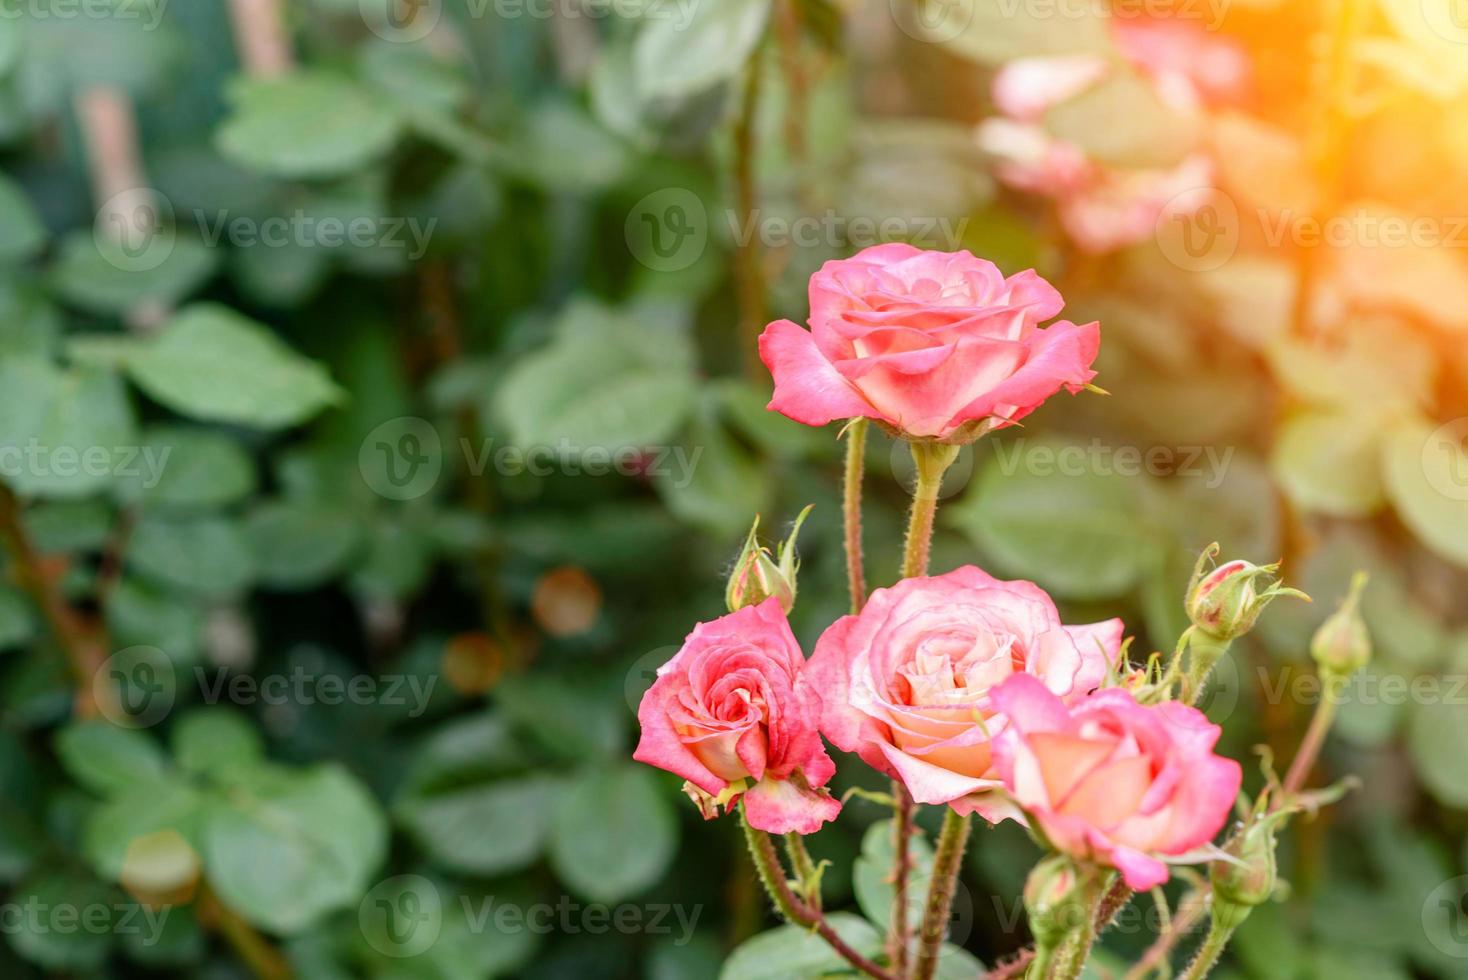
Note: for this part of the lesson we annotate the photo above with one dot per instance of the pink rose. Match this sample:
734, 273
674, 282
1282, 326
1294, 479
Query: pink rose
931, 344
907, 681
734, 706
1112, 781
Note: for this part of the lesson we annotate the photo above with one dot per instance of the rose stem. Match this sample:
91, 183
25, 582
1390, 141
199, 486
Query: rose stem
805, 869
1189, 912
856, 447
791, 908
951, 843
897, 933
1310, 748
932, 461
1219, 933
748, 276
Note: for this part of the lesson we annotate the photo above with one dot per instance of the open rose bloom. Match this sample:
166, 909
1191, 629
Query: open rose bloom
1108, 780
933, 345
734, 712
907, 682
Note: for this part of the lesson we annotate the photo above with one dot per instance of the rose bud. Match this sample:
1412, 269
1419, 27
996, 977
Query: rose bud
1248, 877
757, 576
1226, 602
1053, 901
1342, 644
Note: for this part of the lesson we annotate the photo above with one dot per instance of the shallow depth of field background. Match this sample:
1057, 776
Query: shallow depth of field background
445, 326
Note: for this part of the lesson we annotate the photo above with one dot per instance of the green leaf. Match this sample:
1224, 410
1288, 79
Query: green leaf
287, 848
794, 953
216, 742
17, 624
308, 124
483, 829
609, 382
21, 231
1427, 481
677, 55
210, 363
719, 484
1060, 519
63, 433
302, 544
138, 614
185, 466
994, 33
105, 277
599, 812
567, 715
138, 812
107, 759
1436, 734
204, 555
1330, 462
80, 950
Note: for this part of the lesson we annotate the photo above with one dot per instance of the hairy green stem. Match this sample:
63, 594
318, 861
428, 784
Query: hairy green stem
1220, 930
933, 460
1313, 742
805, 870
856, 449
897, 931
952, 841
791, 908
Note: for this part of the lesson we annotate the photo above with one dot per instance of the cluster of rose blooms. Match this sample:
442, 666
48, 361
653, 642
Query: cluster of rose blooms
967, 690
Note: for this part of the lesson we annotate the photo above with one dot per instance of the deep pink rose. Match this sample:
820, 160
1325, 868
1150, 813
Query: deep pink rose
906, 682
931, 344
735, 712
1112, 781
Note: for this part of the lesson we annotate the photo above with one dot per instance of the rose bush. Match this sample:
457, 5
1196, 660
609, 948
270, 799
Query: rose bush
907, 682
932, 345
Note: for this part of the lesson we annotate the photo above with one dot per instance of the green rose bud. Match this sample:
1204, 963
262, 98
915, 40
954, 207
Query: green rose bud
1342, 644
1226, 602
758, 575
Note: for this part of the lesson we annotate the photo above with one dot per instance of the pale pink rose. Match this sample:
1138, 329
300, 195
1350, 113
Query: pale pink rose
907, 682
929, 344
735, 712
1109, 780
